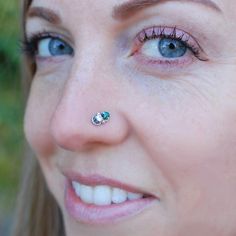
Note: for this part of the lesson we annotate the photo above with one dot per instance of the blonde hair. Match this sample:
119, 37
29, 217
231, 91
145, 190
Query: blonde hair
37, 213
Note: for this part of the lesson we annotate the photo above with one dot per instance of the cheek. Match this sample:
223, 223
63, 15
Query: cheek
37, 131
200, 141
45, 92
192, 142
38, 115
196, 154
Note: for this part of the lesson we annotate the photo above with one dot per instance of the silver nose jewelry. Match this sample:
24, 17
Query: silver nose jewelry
101, 118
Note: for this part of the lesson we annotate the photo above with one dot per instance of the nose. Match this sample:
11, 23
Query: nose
85, 94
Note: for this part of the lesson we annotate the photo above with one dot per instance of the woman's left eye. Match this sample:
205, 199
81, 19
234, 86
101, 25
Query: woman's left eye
165, 47
49, 47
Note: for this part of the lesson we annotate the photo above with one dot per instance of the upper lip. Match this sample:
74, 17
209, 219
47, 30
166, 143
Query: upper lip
96, 179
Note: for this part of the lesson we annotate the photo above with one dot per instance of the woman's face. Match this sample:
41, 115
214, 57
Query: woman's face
165, 162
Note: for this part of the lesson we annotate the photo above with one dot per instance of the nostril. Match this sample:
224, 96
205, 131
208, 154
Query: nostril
61, 135
66, 133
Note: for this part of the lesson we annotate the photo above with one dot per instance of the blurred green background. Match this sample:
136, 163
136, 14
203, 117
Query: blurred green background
11, 111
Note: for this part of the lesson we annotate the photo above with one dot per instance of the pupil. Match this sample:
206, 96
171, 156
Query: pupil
172, 46
61, 46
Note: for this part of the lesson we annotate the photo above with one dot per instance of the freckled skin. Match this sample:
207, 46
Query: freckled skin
172, 129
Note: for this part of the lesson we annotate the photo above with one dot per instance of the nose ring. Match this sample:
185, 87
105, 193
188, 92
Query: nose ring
101, 118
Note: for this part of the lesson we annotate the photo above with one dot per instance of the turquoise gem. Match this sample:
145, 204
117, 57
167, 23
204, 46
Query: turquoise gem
105, 115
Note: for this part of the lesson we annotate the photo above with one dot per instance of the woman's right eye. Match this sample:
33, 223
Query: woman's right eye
51, 47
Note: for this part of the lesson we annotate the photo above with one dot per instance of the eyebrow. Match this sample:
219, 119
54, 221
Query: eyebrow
45, 14
120, 12
128, 9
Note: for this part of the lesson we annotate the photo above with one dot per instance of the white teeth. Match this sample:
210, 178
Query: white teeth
134, 196
86, 194
119, 195
77, 187
102, 195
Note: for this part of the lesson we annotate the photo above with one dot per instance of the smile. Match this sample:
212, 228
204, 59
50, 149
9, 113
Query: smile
102, 195
98, 200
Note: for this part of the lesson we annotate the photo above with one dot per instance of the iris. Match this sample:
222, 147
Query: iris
57, 47
171, 48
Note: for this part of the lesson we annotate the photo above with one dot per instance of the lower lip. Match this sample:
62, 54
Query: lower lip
93, 214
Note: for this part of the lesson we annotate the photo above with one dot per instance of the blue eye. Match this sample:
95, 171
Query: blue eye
53, 47
165, 47
171, 48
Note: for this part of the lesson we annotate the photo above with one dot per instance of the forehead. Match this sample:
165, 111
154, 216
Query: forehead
104, 5
123, 9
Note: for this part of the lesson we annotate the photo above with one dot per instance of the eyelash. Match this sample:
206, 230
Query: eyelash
29, 45
160, 33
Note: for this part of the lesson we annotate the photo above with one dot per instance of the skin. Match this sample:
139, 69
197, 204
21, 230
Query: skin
172, 128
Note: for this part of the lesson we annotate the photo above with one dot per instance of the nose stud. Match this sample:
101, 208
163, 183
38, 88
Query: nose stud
101, 118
